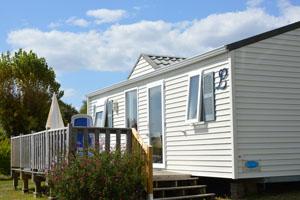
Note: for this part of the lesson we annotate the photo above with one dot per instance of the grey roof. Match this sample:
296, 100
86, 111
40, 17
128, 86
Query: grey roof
158, 61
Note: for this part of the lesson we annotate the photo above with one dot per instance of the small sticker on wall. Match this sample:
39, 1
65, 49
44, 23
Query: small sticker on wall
251, 165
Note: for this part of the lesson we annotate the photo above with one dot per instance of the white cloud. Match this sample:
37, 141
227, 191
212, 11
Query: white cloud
117, 47
69, 92
106, 15
254, 3
289, 11
77, 22
54, 25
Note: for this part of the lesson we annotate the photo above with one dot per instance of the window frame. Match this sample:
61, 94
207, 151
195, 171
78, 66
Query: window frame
199, 102
106, 113
160, 83
100, 108
137, 105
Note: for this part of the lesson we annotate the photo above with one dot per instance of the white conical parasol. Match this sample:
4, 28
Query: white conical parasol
54, 117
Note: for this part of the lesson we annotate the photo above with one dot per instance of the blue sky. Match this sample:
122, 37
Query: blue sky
92, 44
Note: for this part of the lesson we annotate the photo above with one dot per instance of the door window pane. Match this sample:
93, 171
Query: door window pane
131, 109
99, 119
110, 114
193, 97
155, 123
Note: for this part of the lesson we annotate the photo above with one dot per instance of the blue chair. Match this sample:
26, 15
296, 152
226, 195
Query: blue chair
82, 120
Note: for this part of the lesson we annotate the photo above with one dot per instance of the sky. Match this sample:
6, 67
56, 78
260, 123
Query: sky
93, 44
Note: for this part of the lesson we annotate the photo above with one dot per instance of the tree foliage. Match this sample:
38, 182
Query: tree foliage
67, 111
26, 87
83, 108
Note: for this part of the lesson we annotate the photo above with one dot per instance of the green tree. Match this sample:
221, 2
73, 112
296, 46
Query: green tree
83, 108
26, 87
67, 111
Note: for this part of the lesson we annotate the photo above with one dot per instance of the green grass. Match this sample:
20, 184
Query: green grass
291, 195
8, 193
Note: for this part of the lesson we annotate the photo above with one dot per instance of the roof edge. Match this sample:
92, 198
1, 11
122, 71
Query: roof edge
262, 36
166, 69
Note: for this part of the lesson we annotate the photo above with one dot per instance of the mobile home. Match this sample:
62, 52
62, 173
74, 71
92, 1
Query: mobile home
233, 112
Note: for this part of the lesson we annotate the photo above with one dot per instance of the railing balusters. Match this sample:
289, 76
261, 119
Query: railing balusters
38, 150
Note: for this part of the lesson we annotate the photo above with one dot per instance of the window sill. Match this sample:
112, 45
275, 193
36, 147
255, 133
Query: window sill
196, 123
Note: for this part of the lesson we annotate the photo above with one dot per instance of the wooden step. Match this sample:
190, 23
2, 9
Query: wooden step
159, 179
179, 187
175, 183
164, 175
201, 196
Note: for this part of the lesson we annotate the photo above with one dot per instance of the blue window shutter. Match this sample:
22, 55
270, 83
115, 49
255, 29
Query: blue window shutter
209, 97
109, 114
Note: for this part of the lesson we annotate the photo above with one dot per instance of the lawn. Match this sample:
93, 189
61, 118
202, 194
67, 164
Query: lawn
293, 195
7, 192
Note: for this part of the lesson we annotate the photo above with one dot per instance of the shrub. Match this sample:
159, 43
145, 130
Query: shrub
4, 155
101, 176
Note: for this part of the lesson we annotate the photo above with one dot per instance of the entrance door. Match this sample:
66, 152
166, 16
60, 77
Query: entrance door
156, 128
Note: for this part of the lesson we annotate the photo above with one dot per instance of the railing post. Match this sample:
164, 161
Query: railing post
47, 149
97, 133
21, 151
85, 141
129, 141
118, 140
107, 140
69, 142
149, 173
11, 155
32, 152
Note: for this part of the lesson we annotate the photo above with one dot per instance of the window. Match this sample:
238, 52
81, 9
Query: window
109, 109
209, 111
201, 97
131, 109
193, 99
99, 119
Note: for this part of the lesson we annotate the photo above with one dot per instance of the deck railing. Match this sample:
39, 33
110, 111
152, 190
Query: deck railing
37, 151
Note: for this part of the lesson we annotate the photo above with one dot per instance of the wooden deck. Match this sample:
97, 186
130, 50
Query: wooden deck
34, 154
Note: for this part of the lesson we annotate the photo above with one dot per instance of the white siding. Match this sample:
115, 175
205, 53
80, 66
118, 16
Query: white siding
204, 149
141, 68
267, 96
143, 113
119, 117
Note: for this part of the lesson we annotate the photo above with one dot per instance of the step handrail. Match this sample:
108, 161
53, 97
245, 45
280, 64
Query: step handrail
147, 153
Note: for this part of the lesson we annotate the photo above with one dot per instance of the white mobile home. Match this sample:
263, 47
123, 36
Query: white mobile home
233, 112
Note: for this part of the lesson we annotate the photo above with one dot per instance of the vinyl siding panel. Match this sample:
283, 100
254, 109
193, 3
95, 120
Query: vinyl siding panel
141, 68
205, 148
143, 113
267, 97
